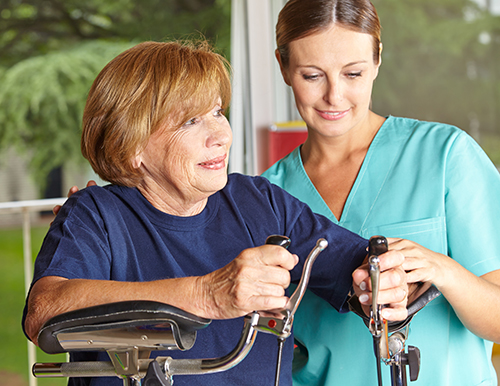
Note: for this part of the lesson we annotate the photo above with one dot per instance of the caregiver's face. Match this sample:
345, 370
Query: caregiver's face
331, 74
190, 163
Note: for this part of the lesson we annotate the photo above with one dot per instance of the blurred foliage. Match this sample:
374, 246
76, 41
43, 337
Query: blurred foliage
51, 51
42, 101
31, 27
441, 62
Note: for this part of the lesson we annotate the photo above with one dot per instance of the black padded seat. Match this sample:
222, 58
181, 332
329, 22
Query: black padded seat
159, 326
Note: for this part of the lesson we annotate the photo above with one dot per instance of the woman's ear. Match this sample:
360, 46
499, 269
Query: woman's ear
137, 160
380, 47
283, 71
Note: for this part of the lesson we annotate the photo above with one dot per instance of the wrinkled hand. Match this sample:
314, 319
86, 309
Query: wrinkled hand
393, 286
71, 191
255, 281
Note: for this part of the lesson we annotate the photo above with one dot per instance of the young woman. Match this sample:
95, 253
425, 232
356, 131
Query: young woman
406, 179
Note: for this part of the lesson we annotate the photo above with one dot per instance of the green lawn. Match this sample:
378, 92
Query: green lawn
13, 356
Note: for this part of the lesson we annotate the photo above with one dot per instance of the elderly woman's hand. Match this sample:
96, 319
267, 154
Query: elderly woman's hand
255, 281
393, 286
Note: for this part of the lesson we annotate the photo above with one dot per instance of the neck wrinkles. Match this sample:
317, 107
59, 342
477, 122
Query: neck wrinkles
173, 204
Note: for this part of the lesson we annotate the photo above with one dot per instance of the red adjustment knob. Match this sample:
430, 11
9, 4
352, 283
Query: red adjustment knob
272, 323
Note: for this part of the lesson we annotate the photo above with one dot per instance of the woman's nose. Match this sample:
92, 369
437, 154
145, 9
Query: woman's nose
220, 133
333, 93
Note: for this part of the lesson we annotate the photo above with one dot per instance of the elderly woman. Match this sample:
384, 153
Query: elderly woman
174, 227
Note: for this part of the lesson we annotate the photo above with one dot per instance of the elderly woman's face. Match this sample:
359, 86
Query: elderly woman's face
189, 164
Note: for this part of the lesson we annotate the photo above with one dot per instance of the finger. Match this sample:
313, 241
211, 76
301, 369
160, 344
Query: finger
411, 263
91, 183
393, 296
418, 275
388, 296
56, 209
268, 275
392, 278
397, 243
273, 255
395, 313
72, 191
268, 289
391, 259
267, 303
251, 267
360, 275
250, 295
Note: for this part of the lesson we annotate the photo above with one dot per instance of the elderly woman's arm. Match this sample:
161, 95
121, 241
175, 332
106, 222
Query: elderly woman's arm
255, 280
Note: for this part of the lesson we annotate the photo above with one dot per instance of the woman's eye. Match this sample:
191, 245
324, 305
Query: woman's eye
192, 121
220, 112
354, 74
310, 77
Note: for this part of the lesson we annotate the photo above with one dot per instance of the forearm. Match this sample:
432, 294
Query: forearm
475, 300
255, 280
52, 296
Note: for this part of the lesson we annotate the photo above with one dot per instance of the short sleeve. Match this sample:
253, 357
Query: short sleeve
472, 199
76, 245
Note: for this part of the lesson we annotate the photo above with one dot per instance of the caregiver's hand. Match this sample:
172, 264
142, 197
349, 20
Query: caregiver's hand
71, 191
475, 299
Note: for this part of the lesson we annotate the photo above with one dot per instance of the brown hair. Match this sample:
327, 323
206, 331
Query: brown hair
301, 18
143, 88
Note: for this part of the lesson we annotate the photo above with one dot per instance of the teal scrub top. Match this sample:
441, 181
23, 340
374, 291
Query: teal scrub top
427, 182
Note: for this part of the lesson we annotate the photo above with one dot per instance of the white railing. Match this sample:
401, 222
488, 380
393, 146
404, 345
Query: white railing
25, 208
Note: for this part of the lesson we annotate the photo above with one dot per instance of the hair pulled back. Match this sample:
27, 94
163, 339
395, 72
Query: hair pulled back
301, 18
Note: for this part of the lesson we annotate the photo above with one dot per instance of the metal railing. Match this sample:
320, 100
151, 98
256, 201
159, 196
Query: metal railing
26, 208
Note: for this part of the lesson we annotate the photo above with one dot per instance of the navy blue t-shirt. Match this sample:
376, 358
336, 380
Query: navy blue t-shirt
114, 233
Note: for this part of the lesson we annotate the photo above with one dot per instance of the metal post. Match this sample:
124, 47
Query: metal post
28, 275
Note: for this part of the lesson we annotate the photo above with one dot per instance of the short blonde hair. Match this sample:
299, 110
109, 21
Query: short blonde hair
141, 89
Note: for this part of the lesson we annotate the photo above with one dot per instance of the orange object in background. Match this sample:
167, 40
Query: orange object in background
496, 360
284, 137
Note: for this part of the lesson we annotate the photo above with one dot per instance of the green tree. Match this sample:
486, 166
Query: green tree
32, 27
440, 63
51, 50
42, 101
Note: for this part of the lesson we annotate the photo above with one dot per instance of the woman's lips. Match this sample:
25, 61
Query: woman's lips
332, 115
214, 163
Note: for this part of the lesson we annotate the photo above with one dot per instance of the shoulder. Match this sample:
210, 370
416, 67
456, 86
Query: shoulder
258, 190
93, 196
93, 202
423, 129
426, 138
284, 169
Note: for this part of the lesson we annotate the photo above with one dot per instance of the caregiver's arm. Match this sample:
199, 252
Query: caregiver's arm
475, 300
255, 280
